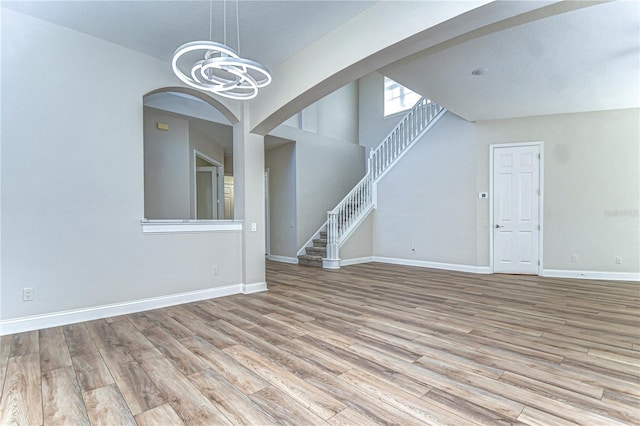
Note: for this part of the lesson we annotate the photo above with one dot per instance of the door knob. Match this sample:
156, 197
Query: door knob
499, 226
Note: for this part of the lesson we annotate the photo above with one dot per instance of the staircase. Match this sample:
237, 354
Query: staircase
314, 254
323, 248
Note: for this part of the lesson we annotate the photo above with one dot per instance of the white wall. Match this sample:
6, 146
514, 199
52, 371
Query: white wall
591, 186
428, 200
71, 227
281, 162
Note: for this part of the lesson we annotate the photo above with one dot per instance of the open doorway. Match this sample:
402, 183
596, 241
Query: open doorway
208, 187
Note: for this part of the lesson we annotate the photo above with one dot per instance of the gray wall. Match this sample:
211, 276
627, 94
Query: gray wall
428, 200
326, 162
326, 171
371, 122
206, 145
281, 162
591, 170
167, 178
334, 116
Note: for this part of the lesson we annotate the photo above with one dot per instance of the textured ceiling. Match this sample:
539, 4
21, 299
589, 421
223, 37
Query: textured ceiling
587, 59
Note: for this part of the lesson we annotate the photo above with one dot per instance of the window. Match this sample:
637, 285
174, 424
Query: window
398, 98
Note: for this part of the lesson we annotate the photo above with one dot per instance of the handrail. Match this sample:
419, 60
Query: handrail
351, 193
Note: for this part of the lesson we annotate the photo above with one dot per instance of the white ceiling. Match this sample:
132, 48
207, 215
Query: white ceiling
581, 60
271, 31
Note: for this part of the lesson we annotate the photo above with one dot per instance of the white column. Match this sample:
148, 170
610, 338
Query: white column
248, 170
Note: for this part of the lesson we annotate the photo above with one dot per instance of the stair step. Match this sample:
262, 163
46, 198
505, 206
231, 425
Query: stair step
321, 242
323, 235
317, 251
309, 260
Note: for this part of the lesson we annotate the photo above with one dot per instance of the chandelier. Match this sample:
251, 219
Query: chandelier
217, 68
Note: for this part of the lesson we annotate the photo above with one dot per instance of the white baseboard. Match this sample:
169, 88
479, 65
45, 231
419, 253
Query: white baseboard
283, 259
435, 265
37, 322
254, 288
356, 261
591, 275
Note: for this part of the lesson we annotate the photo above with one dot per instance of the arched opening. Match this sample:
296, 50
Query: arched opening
183, 130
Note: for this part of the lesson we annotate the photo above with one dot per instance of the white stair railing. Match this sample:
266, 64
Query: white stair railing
343, 219
353, 209
423, 112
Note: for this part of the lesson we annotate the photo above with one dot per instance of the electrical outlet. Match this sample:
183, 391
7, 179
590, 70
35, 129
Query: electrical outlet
574, 258
214, 270
27, 294
618, 260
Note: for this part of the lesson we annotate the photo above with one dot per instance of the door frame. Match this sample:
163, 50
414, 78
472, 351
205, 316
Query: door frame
492, 148
267, 214
220, 182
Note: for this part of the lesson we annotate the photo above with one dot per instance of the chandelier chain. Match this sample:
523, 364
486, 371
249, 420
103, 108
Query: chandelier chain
210, 20
238, 23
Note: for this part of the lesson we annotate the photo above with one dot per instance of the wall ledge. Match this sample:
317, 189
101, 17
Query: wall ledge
181, 226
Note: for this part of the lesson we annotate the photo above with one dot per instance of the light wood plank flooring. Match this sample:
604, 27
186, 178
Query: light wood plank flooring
369, 344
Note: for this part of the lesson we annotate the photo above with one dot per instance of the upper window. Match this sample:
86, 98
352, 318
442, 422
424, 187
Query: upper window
398, 98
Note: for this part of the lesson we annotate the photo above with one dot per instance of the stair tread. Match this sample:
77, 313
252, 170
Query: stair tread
316, 250
309, 257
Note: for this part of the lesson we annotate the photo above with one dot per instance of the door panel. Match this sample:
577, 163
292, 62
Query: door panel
516, 209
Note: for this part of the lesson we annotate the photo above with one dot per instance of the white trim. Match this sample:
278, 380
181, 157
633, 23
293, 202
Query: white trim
254, 287
592, 275
435, 265
331, 263
168, 226
37, 322
267, 213
355, 225
220, 190
283, 259
492, 147
357, 261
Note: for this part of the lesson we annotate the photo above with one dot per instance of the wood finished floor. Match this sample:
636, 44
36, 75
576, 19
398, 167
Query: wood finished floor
369, 344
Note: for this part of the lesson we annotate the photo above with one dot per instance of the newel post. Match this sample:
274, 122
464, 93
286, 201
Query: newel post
332, 261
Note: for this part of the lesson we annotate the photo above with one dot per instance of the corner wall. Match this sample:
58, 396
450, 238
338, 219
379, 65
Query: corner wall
281, 162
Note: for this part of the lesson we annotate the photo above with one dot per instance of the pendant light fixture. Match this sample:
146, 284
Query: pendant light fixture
217, 68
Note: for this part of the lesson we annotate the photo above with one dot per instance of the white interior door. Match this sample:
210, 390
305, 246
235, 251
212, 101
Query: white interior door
516, 209
228, 197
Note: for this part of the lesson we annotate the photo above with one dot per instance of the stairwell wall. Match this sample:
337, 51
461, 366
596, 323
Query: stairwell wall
427, 203
325, 163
